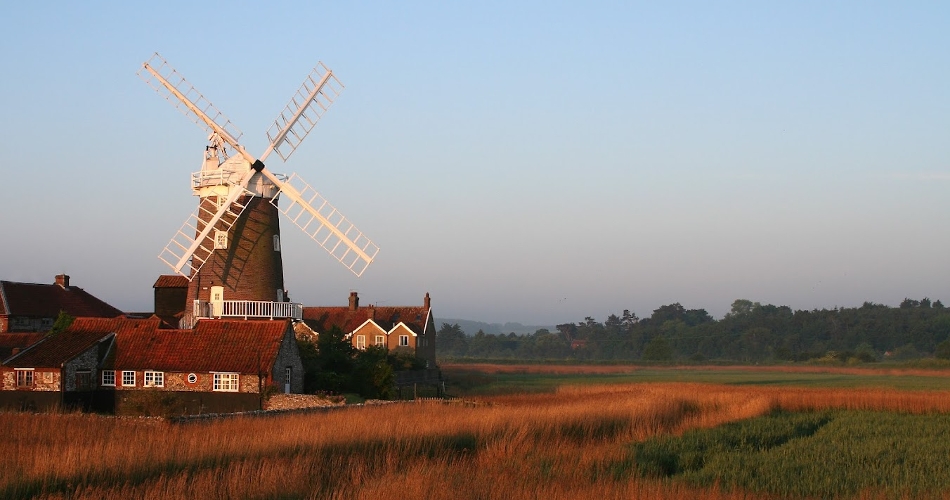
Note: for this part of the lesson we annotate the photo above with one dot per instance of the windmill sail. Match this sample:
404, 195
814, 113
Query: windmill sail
303, 111
311, 212
171, 85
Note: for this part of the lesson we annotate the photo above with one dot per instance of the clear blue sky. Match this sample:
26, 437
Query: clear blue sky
521, 161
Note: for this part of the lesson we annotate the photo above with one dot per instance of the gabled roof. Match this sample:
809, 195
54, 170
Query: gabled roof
213, 346
11, 341
33, 299
55, 350
321, 319
348, 319
171, 281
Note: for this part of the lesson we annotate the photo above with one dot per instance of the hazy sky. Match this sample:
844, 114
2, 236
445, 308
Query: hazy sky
520, 161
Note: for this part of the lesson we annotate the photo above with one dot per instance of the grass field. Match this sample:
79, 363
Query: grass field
488, 379
564, 440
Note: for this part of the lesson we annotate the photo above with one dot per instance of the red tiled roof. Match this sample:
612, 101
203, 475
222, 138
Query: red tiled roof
171, 281
213, 346
36, 300
322, 319
113, 325
11, 341
55, 350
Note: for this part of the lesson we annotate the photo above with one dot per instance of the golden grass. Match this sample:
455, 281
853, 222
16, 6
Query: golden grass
572, 443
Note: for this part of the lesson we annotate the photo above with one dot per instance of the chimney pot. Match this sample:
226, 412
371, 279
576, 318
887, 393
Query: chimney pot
426, 302
62, 280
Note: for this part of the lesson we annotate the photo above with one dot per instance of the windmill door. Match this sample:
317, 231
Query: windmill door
217, 300
287, 374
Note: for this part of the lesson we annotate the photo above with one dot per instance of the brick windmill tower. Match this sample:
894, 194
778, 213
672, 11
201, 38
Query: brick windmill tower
229, 249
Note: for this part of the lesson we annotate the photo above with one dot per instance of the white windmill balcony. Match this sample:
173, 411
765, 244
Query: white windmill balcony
248, 309
220, 177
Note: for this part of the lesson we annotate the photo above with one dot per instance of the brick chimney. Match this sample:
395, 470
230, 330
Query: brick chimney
426, 302
62, 280
354, 301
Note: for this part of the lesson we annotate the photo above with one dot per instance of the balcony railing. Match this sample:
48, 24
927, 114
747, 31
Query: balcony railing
248, 309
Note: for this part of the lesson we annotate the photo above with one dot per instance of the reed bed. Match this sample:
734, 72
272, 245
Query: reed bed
572, 443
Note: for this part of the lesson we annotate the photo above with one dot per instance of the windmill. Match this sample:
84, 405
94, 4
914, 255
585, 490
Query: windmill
229, 248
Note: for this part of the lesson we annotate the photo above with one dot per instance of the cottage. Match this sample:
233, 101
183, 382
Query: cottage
59, 371
33, 307
219, 366
132, 366
408, 328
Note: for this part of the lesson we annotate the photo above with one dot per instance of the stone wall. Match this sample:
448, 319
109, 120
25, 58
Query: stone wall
87, 361
47, 380
178, 382
288, 355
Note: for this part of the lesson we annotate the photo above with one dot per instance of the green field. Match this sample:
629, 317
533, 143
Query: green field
821, 454
460, 381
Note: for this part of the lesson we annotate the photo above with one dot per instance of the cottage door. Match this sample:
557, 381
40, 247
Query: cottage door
217, 300
287, 373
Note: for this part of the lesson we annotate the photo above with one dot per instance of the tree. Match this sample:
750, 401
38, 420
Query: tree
451, 340
63, 320
373, 376
910, 304
943, 350
658, 349
333, 362
741, 307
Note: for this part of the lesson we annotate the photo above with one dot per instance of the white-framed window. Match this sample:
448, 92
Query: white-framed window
154, 379
276, 242
220, 239
192, 378
24, 377
226, 382
220, 201
108, 378
403, 340
381, 340
361, 341
128, 378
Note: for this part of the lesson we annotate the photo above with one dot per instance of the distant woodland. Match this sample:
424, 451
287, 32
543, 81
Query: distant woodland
751, 332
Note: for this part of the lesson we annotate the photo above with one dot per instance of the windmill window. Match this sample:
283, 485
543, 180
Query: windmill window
403, 340
128, 379
220, 239
108, 378
24, 378
276, 242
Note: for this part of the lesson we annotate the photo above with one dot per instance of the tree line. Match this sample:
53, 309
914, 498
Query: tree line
750, 332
